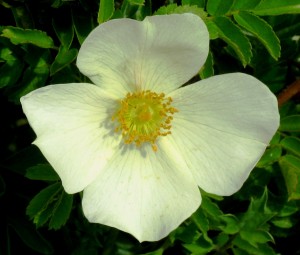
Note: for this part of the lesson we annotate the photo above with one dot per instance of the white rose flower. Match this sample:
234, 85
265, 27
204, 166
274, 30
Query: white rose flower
137, 143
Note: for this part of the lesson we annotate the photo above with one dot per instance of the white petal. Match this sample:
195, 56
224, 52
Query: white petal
222, 128
143, 193
160, 53
72, 126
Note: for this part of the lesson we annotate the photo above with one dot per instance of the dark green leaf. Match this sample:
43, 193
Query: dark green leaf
62, 59
259, 249
207, 70
202, 246
218, 7
61, 211
290, 168
106, 10
256, 237
270, 156
277, 7
235, 38
83, 25
21, 36
291, 144
290, 123
64, 29
30, 236
200, 221
2, 186
10, 72
42, 200
262, 30
244, 4
43, 172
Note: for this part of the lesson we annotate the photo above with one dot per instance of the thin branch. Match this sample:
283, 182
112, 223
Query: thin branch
289, 92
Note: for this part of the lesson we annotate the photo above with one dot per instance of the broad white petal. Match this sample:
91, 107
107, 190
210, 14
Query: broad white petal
143, 193
72, 126
160, 53
222, 128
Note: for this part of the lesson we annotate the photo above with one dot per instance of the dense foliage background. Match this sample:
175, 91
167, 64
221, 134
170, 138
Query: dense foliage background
39, 42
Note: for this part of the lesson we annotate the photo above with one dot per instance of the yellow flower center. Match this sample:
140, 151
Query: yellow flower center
143, 117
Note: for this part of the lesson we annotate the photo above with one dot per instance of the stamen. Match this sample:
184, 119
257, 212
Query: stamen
144, 116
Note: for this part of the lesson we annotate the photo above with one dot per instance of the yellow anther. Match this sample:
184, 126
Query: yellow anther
144, 116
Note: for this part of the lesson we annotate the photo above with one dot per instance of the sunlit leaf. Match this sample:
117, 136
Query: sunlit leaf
218, 7
106, 10
174, 8
21, 36
262, 30
277, 7
235, 38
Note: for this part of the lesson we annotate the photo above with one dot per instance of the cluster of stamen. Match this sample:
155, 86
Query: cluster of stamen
144, 116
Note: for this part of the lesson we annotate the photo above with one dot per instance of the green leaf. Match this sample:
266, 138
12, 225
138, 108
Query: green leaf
231, 224
173, 8
43, 172
62, 211
202, 246
62, 59
200, 221
212, 29
259, 249
208, 69
218, 7
256, 237
22, 36
244, 4
83, 25
136, 2
106, 10
262, 30
235, 38
10, 72
277, 7
199, 3
290, 168
35, 75
270, 156
283, 222
64, 29
42, 200
291, 144
210, 207
290, 123
30, 236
